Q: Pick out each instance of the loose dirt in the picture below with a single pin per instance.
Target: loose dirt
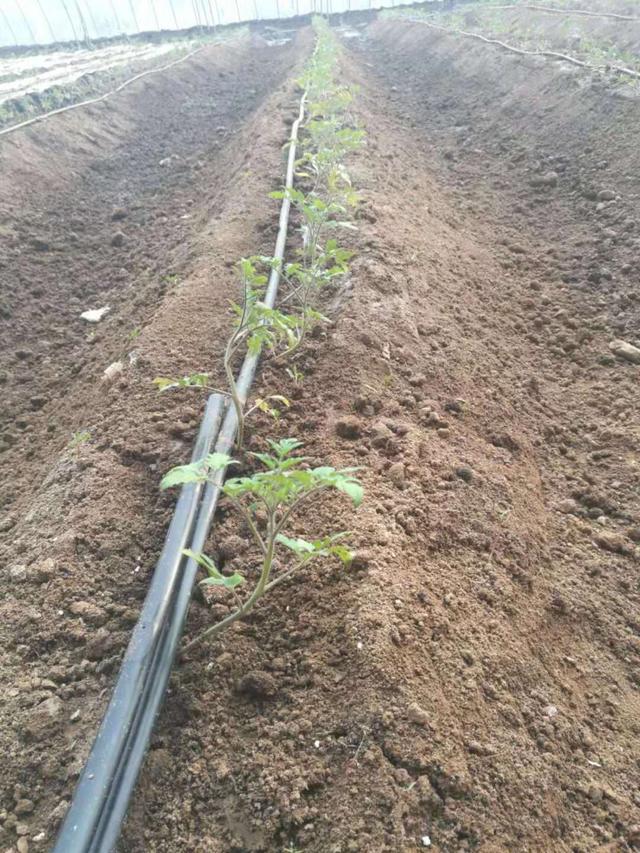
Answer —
(142, 204)
(472, 681)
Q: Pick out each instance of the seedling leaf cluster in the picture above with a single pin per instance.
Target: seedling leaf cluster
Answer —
(280, 481)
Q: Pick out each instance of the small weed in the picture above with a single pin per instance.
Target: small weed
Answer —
(170, 278)
(79, 438)
(294, 373)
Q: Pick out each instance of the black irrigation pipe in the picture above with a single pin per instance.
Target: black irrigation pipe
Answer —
(82, 829)
(551, 54)
(105, 787)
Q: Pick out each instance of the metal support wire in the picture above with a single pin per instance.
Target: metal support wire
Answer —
(26, 21)
(70, 19)
(205, 13)
(173, 12)
(155, 13)
(117, 19)
(9, 27)
(83, 22)
(135, 17)
(213, 19)
(44, 15)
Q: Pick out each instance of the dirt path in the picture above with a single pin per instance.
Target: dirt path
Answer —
(472, 681)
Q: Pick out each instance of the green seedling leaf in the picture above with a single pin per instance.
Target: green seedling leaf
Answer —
(294, 373)
(280, 399)
(204, 561)
(216, 461)
(79, 438)
(195, 380)
(344, 554)
(163, 383)
(284, 446)
(352, 488)
(329, 546)
(227, 581)
(214, 577)
(298, 546)
(342, 480)
(263, 406)
(268, 461)
(196, 472)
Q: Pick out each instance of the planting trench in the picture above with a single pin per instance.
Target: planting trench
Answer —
(142, 204)
(473, 678)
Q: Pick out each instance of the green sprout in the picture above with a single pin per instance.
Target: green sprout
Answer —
(257, 327)
(79, 438)
(295, 374)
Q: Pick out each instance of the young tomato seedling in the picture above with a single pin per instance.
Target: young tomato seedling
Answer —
(201, 381)
(278, 491)
(257, 327)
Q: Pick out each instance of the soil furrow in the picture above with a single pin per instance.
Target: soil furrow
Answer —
(181, 168)
(471, 682)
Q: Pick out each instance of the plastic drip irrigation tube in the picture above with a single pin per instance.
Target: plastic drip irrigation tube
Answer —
(82, 829)
(521, 51)
(103, 97)
(106, 784)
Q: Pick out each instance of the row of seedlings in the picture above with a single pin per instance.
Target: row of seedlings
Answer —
(268, 499)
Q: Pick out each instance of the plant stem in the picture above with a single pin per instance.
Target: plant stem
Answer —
(255, 596)
(285, 517)
(250, 524)
(215, 629)
(286, 575)
(237, 402)
(230, 349)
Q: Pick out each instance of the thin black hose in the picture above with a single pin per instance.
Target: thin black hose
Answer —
(102, 796)
(112, 743)
(103, 97)
(552, 54)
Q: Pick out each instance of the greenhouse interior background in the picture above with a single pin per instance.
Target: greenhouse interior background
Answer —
(29, 22)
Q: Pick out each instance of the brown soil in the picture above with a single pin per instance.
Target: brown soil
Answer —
(181, 165)
(474, 677)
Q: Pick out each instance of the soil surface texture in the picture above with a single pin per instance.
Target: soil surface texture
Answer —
(471, 682)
